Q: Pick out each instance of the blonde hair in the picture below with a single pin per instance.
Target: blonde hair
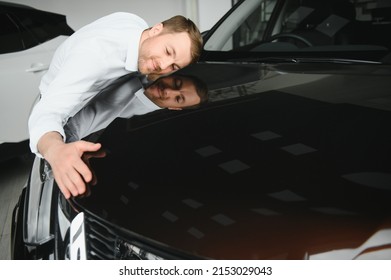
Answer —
(178, 24)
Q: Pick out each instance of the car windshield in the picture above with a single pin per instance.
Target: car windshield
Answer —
(357, 29)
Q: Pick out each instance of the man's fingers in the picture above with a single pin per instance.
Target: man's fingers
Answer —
(84, 146)
(83, 170)
(70, 182)
(70, 171)
(64, 191)
(66, 187)
(77, 181)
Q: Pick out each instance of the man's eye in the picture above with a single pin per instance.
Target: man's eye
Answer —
(179, 99)
(178, 83)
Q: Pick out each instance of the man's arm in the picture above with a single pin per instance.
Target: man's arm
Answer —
(69, 170)
(65, 92)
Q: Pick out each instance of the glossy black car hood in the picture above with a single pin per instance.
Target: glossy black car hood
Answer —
(284, 162)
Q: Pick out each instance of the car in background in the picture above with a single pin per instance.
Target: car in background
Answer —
(289, 159)
(29, 38)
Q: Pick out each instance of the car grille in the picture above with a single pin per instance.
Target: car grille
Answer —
(101, 240)
(104, 242)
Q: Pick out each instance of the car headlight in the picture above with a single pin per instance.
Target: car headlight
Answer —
(127, 251)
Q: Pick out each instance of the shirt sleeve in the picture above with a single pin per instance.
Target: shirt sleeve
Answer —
(74, 84)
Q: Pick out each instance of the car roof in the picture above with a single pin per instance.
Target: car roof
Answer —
(5, 6)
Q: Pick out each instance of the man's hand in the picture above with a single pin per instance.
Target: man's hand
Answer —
(69, 170)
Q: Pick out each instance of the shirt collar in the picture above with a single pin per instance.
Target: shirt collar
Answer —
(145, 100)
(131, 63)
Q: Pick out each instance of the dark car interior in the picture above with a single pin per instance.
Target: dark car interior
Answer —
(338, 23)
(310, 27)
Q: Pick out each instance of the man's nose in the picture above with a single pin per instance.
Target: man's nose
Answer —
(170, 93)
(166, 63)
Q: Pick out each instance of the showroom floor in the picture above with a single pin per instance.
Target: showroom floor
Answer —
(13, 175)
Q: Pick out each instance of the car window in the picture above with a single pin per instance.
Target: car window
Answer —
(306, 26)
(23, 28)
(246, 25)
(43, 26)
(11, 40)
(328, 23)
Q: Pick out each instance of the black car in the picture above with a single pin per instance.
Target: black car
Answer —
(289, 159)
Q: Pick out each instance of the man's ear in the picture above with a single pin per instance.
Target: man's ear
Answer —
(156, 29)
(174, 108)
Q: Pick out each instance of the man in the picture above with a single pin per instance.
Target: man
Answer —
(110, 47)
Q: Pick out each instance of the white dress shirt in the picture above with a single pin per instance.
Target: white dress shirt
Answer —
(81, 67)
(124, 98)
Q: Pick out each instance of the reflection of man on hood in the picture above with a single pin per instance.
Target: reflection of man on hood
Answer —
(126, 97)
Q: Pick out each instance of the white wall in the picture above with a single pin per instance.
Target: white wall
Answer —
(209, 12)
(82, 12)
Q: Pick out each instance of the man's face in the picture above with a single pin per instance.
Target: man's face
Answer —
(162, 53)
(173, 92)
